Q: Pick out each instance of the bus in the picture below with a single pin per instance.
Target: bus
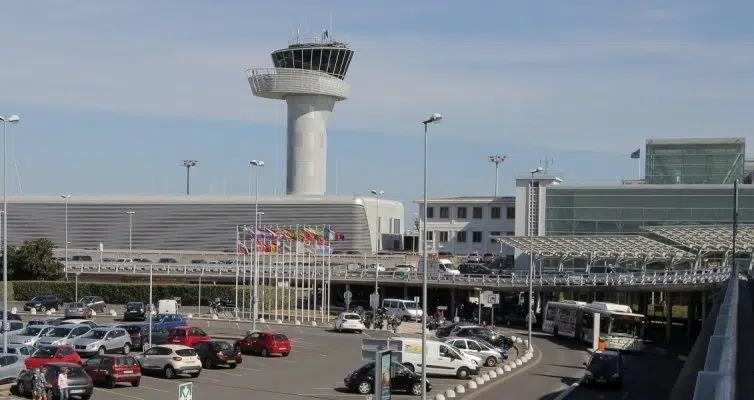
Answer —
(620, 328)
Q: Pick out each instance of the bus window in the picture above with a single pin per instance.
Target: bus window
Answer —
(551, 312)
(605, 324)
(626, 325)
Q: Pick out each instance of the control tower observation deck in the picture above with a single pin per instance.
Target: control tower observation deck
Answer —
(309, 77)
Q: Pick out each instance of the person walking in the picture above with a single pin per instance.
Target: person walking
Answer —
(63, 383)
(39, 385)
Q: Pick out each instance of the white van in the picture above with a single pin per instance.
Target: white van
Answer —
(442, 267)
(406, 310)
(167, 307)
(442, 359)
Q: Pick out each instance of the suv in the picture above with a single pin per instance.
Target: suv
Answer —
(112, 369)
(135, 310)
(214, 353)
(167, 260)
(103, 340)
(44, 303)
(187, 335)
(171, 359)
(168, 321)
(95, 303)
(140, 335)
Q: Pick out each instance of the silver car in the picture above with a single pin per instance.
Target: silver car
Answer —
(103, 340)
(63, 335)
(30, 335)
(11, 366)
(21, 350)
(44, 321)
(15, 328)
(78, 310)
(476, 348)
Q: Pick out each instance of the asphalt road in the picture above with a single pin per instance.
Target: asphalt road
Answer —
(319, 361)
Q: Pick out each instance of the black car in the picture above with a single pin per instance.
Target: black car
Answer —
(214, 353)
(44, 303)
(485, 334)
(444, 331)
(475, 269)
(79, 383)
(140, 335)
(11, 316)
(135, 311)
(605, 368)
(401, 380)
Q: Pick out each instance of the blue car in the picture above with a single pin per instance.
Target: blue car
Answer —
(167, 321)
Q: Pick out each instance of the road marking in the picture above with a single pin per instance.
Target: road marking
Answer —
(366, 334)
(210, 379)
(155, 389)
(227, 373)
(119, 394)
(299, 329)
(250, 369)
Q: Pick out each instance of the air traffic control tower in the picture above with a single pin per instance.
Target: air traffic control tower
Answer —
(308, 75)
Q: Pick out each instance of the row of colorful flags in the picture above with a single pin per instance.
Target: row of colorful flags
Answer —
(315, 239)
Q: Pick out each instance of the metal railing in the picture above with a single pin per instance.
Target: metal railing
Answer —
(506, 280)
(718, 379)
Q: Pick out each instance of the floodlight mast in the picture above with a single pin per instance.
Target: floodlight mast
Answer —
(188, 164)
(13, 119)
(497, 160)
(530, 314)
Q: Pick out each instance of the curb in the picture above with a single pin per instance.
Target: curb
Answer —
(527, 362)
(563, 395)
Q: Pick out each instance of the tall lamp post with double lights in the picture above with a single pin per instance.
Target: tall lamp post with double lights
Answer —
(188, 164)
(130, 233)
(497, 160)
(377, 194)
(530, 315)
(13, 119)
(434, 119)
(66, 197)
(257, 165)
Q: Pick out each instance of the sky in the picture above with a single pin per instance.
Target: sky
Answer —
(114, 94)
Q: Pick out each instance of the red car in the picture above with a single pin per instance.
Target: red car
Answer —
(50, 354)
(264, 343)
(187, 335)
(113, 369)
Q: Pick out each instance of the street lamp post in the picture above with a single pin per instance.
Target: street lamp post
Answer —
(434, 119)
(377, 194)
(530, 315)
(257, 165)
(13, 119)
(66, 197)
(497, 160)
(188, 164)
(130, 233)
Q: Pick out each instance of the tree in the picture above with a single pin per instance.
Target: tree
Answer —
(33, 260)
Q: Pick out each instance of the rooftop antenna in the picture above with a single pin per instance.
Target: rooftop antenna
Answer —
(547, 161)
(329, 28)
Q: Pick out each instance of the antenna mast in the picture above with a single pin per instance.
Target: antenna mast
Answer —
(547, 161)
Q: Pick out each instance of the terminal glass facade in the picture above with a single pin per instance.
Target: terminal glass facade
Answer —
(624, 209)
(694, 162)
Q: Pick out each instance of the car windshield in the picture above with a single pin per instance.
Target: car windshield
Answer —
(38, 298)
(31, 331)
(44, 352)
(87, 300)
(352, 316)
(95, 334)
(627, 325)
(58, 332)
(485, 345)
(134, 305)
(603, 363)
(76, 305)
(223, 346)
(133, 329)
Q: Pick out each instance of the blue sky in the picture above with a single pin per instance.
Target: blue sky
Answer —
(114, 94)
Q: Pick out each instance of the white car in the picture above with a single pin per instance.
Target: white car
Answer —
(476, 348)
(378, 267)
(63, 335)
(172, 360)
(30, 335)
(349, 322)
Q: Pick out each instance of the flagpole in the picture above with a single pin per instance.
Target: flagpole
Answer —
(295, 309)
(316, 245)
(329, 272)
(287, 271)
(276, 271)
(235, 304)
(261, 275)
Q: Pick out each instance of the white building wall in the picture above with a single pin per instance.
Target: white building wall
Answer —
(391, 224)
(523, 184)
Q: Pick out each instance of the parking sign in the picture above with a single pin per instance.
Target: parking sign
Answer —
(493, 299)
(186, 391)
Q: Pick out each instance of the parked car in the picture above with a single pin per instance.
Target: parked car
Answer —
(11, 316)
(264, 343)
(444, 331)
(167, 260)
(348, 321)
(63, 335)
(14, 328)
(475, 269)
(44, 321)
(135, 311)
(11, 366)
(171, 360)
(140, 335)
(30, 335)
(76, 321)
(214, 353)
(79, 383)
(478, 348)
(109, 370)
(95, 303)
(103, 340)
(168, 321)
(401, 380)
(484, 333)
(21, 350)
(44, 303)
(605, 368)
(187, 335)
(78, 310)
(51, 354)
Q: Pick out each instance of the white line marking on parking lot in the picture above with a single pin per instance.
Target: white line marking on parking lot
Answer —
(155, 389)
(366, 334)
(228, 373)
(299, 329)
(210, 379)
(119, 394)
(250, 369)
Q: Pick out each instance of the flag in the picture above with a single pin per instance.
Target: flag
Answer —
(636, 155)
(329, 234)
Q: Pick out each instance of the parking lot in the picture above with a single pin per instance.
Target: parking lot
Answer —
(316, 367)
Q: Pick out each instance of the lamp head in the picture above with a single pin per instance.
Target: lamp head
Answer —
(436, 118)
(189, 163)
(13, 119)
(257, 163)
(65, 196)
(537, 170)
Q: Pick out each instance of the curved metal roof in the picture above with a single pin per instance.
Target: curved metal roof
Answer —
(709, 238)
(613, 246)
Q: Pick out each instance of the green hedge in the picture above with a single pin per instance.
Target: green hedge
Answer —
(118, 293)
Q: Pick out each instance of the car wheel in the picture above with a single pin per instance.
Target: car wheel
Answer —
(491, 361)
(555, 331)
(238, 350)
(205, 363)
(406, 318)
(286, 354)
(101, 350)
(364, 387)
(169, 372)
(410, 367)
(416, 389)
(50, 394)
(136, 383)
(463, 373)
(126, 349)
(265, 353)
(21, 388)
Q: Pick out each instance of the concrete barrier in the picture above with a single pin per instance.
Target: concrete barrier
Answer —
(479, 380)
(492, 374)
(262, 320)
(14, 310)
(486, 377)
(298, 322)
(440, 397)
(113, 313)
(471, 384)
(519, 362)
(314, 323)
(450, 393)
(33, 311)
(499, 370)
(279, 321)
(460, 389)
(507, 368)
(214, 316)
(49, 312)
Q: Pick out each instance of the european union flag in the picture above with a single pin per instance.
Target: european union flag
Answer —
(636, 155)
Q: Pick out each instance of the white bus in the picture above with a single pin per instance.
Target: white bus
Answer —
(619, 326)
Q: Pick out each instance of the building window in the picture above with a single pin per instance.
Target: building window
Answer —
(476, 237)
(461, 213)
(444, 212)
(477, 212)
(443, 236)
(430, 212)
(495, 213)
(510, 212)
(429, 235)
(461, 236)
(397, 225)
(493, 234)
